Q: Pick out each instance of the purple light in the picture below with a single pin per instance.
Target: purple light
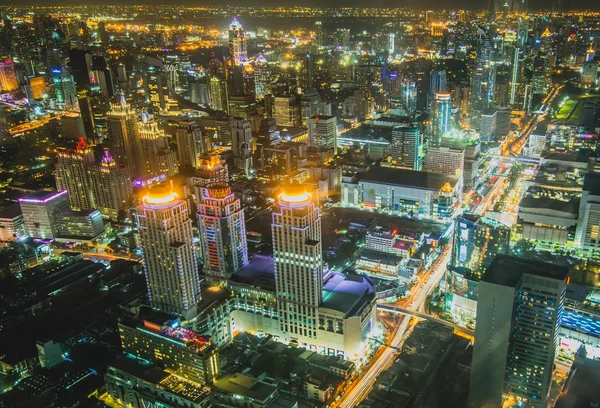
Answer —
(35, 200)
(138, 183)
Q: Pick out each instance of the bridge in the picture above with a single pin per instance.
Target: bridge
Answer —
(424, 316)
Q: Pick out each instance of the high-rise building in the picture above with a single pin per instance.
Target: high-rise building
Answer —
(437, 84)
(286, 111)
(445, 160)
(210, 171)
(158, 337)
(298, 263)
(587, 235)
(191, 143)
(519, 314)
(261, 77)
(237, 43)
(408, 95)
(156, 158)
(222, 231)
(64, 88)
(322, 133)
(165, 231)
(121, 126)
(406, 148)
(72, 175)
(219, 98)
(477, 241)
(241, 140)
(483, 78)
(111, 186)
(319, 34)
(8, 76)
(442, 112)
(40, 211)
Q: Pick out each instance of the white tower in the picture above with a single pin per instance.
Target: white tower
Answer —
(298, 263)
(222, 231)
(165, 231)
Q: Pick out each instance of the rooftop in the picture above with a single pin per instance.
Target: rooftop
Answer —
(507, 270)
(346, 293)
(591, 183)
(408, 178)
(571, 207)
(43, 196)
(244, 385)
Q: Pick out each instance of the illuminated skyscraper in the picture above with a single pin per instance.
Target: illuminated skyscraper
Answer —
(519, 314)
(408, 95)
(261, 77)
(8, 77)
(64, 88)
(121, 126)
(219, 98)
(111, 185)
(477, 241)
(483, 78)
(322, 133)
(406, 148)
(222, 231)
(211, 170)
(241, 139)
(40, 211)
(441, 116)
(157, 158)
(165, 231)
(191, 143)
(237, 43)
(298, 263)
(72, 175)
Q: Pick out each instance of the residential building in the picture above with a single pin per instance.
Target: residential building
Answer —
(191, 143)
(123, 140)
(111, 187)
(165, 232)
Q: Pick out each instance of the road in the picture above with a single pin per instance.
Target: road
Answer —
(100, 256)
(361, 387)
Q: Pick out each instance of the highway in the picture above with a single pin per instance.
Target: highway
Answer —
(385, 356)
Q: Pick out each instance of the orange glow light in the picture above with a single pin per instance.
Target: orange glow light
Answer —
(295, 198)
(163, 199)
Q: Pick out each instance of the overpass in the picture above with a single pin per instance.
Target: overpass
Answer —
(408, 312)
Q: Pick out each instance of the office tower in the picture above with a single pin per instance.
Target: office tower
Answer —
(518, 318)
(219, 97)
(445, 160)
(111, 186)
(237, 43)
(287, 111)
(87, 116)
(322, 133)
(241, 140)
(157, 158)
(437, 84)
(80, 225)
(8, 76)
(158, 90)
(72, 175)
(319, 34)
(483, 78)
(72, 127)
(159, 338)
(222, 231)
(191, 143)
(391, 48)
(442, 110)
(121, 129)
(261, 77)
(587, 235)
(40, 210)
(64, 88)
(165, 232)
(406, 148)
(408, 95)
(477, 241)
(80, 62)
(298, 263)
(515, 75)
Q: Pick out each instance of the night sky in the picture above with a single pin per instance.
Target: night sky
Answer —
(430, 4)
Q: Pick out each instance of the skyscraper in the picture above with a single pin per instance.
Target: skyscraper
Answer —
(237, 43)
(437, 84)
(519, 312)
(191, 143)
(477, 241)
(442, 107)
(222, 231)
(408, 95)
(241, 139)
(483, 78)
(219, 98)
(322, 133)
(298, 263)
(111, 185)
(261, 77)
(165, 231)
(72, 175)
(8, 76)
(121, 126)
(406, 148)
(156, 158)
(211, 170)
(64, 88)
